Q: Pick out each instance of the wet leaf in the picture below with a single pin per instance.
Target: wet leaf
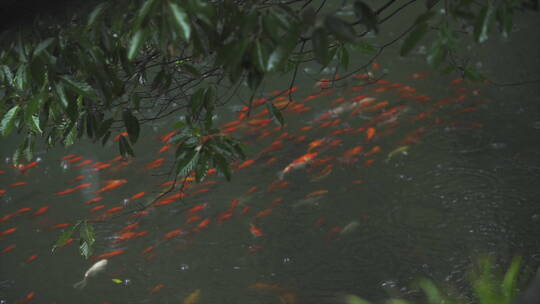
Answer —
(509, 283)
(181, 20)
(85, 249)
(413, 38)
(187, 164)
(135, 44)
(483, 20)
(87, 233)
(117, 281)
(43, 45)
(9, 119)
(144, 11)
(472, 74)
(352, 299)
(79, 86)
(363, 47)
(282, 52)
(132, 125)
(66, 235)
(319, 40)
(96, 12)
(340, 29)
(276, 113)
(366, 15)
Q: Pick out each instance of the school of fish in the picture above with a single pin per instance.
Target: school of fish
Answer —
(362, 126)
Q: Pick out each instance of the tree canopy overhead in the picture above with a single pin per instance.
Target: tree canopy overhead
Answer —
(121, 64)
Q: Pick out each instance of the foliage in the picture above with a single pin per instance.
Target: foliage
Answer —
(125, 63)
(489, 287)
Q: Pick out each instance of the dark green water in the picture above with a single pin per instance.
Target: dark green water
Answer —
(468, 186)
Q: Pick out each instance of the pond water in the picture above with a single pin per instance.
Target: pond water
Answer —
(417, 178)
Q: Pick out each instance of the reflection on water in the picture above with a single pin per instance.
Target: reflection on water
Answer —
(411, 183)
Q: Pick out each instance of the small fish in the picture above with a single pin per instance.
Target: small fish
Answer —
(109, 254)
(95, 269)
(196, 208)
(18, 184)
(24, 168)
(317, 193)
(370, 132)
(224, 216)
(60, 226)
(8, 249)
(27, 298)
(40, 211)
(193, 297)
(157, 288)
(111, 184)
(263, 213)
(256, 232)
(96, 208)
(94, 200)
(31, 258)
(350, 227)
(192, 219)
(173, 233)
(203, 224)
(154, 164)
(298, 163)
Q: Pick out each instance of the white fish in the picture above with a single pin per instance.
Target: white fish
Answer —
(98, 267)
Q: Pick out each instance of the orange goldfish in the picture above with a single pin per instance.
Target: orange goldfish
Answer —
(111, 184)
(256, 232)
(109, 254)
(298, 163)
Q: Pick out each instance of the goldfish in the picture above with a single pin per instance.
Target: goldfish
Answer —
(173, 233)
(154, 164)
(263, 213)
(8, 249)
(148, 249)
(368, 162)
(298, 163)
(256, 232)
(373, 150)
(163, 202)
(68, 156)
(60, 226)
(192, 219)
(22, 210)
(94, 200)
(83, 163)
(31, 258)
(418, 75)
(111, 184)
(196, 208)
(74, 160)
(76, 179)
(27, 298)
(8, 231)
(2, 192)
(114, 209)
(96, 208)
(117, 137)
(315, 144)
(204, 223)
(246, 163)
(130, 227)
(224, 216)
(317, 193)
(370, 132)
(40, 211)
(24, 168)
(18, 184)
(193, 297)
(164, 149)
(94, 270)
(109, 254)
(101, 167)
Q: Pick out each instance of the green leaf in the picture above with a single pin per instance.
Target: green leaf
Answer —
(340, 29)
(85, 249)
(509, 283)
(282, 52)
(436, 55)
(319, 40)
(9, 119)
(261, 54)
(132, 125)
(223, 166)
(21, 78)
(366, 15)
(125, 147)
(87, 233)
(352, 299)
(431, 291)
(33, 123)
(65, 236)
(472, 74)
(136, 43)
(43, 45)
(117, 281)
(96, 12)
(413, 38)
(276, 113)
(144, 11)
(181, 20)
(483, 20)
(79, 86)
(363, 47)
(70, 137)
(344, 57)
(187, 163)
